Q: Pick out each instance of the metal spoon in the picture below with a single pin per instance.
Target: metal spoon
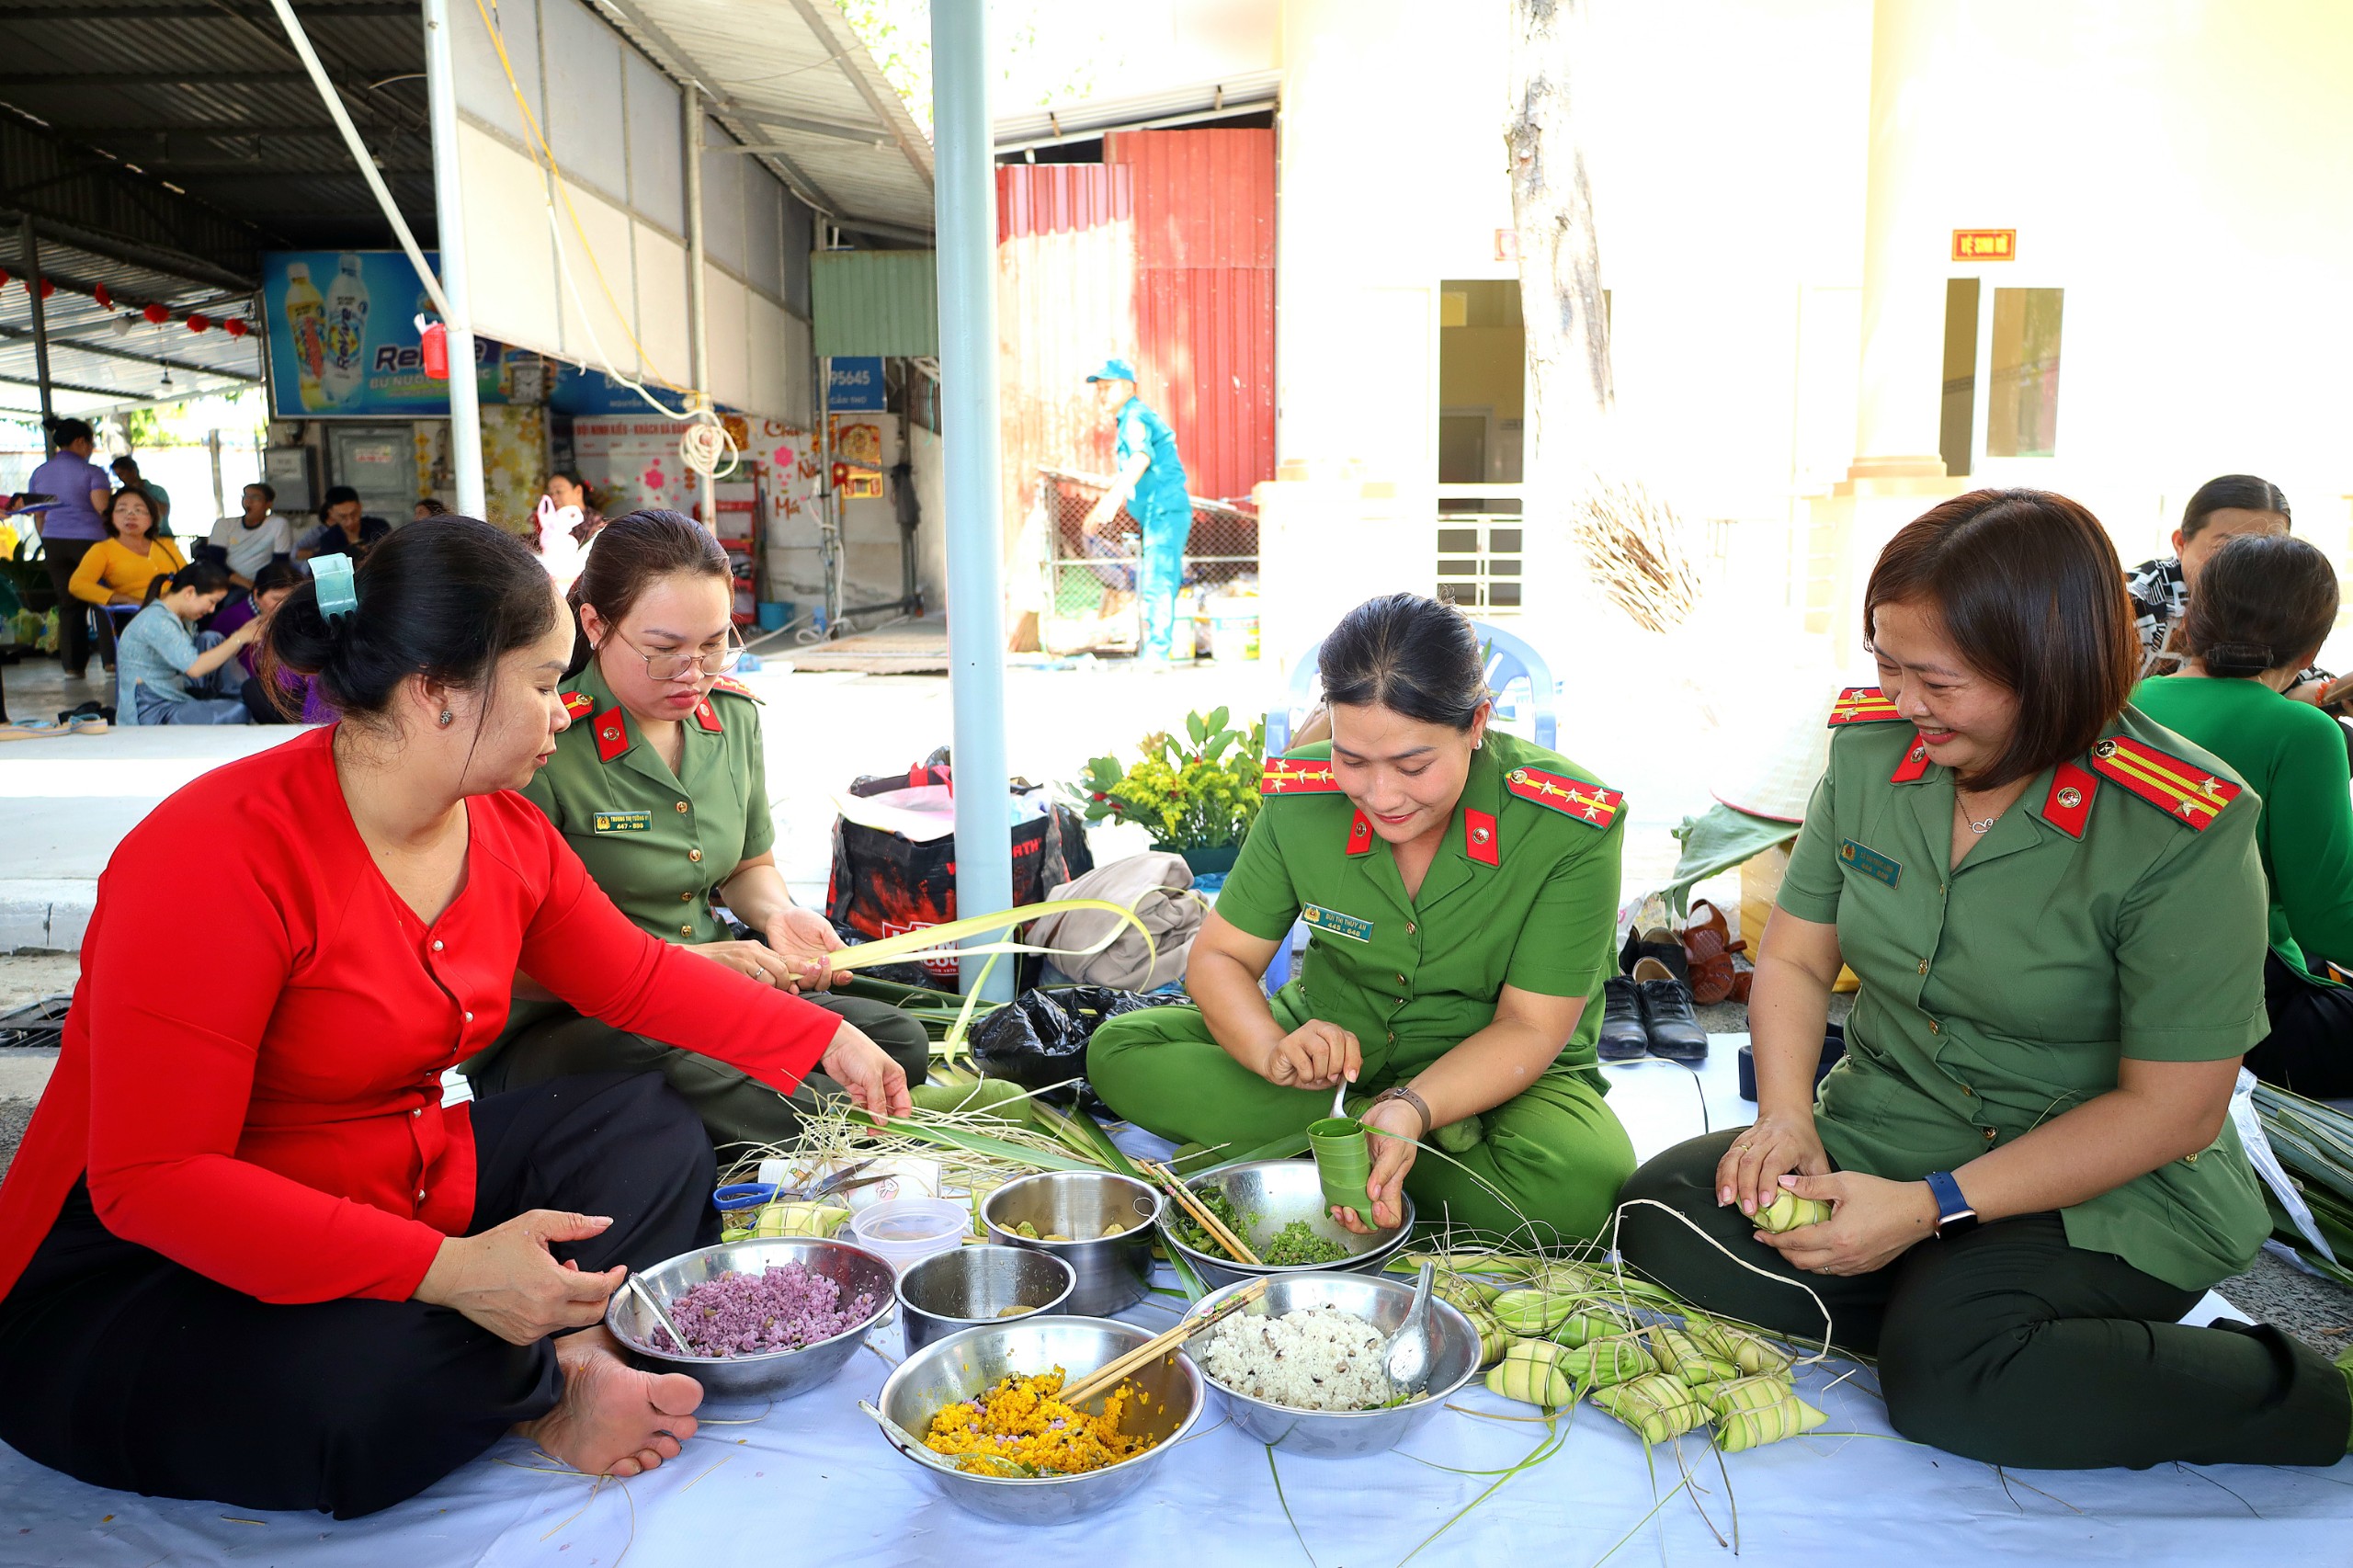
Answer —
(1407, 1356)
(647, 1297)
(1340, 1097)
(907, 1444)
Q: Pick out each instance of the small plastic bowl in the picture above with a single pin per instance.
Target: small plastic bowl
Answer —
(908, 1230)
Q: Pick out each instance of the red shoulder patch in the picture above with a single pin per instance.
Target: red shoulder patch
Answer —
(612, 733)
(1361, 834)
(2187, 793)
(1588, 804)
(734, 688)
(577, 705)
(2068, 807)
(1914, 766)
(1863, 705)
(1479, 838)
(1283, 776)
(707, 715)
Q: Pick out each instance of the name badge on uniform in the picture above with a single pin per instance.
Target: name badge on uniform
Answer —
(624, 822)
(1869, 862)
(1337, 924)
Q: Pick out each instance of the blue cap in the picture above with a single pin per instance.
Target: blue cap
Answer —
(1114, 371)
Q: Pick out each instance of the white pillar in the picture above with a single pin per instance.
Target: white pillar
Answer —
(448, 207)
(964, 195)
(1897, 407)
(698, 309)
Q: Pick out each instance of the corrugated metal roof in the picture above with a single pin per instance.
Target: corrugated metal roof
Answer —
(1234, 94)
(105, 355)
(876, 301)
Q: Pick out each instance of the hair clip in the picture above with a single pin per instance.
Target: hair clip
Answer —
(338, 596)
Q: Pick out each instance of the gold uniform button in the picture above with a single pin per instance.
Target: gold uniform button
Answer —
(1924, 966)
(682, 808)
(694, 854)
(685, 930)
(1401, 979)
(685, 898)
(1409, 928)
(1989, 1135)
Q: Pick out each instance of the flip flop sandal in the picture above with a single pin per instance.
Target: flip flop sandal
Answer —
(89, 724)
(1708, 947)
(31, 730)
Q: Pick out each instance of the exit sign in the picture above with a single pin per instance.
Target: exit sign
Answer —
(1984, 245)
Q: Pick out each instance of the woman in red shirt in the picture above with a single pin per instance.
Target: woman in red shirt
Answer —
(245, 1252)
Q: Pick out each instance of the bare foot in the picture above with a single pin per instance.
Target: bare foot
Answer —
(613, 1419)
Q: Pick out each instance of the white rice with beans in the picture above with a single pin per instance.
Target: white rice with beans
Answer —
(1313, 1359)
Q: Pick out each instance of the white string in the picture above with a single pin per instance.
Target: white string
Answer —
(1618, 1216)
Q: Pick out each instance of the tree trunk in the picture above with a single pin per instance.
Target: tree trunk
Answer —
(1560, 262)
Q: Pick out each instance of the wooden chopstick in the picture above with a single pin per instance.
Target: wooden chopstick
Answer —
(1107, 1377)
(1225, 1238)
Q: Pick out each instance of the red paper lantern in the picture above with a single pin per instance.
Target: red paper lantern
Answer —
(104, 296)
(198, 322)
(157, 315)
(47, 288)
(235, 326)
(4, 278)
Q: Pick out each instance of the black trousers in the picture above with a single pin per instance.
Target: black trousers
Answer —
(2310, 1048)
(2007, 1344)
(125, 1369)
(62, 556)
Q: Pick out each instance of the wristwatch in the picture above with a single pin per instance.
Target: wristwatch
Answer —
(1954, 1216)
(1401, 1092)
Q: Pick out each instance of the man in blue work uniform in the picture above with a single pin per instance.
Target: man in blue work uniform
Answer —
(1150, 485)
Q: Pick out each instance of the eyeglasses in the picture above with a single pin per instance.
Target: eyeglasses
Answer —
(674, 666)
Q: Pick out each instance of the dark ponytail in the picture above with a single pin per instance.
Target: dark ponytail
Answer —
(445, 598)
(631, 554)
(1409, 654)
(2262, 600)
(204, 577)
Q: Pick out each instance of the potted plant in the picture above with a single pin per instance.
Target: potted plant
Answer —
(1196, 796)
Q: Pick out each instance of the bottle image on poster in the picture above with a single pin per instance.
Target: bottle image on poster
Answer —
(346, 367)
(306, 318)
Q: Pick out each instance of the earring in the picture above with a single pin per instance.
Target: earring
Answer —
(445, 718)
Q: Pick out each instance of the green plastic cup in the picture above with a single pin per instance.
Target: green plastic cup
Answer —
(1344, 1162)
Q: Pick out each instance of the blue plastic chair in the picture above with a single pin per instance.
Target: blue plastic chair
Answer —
(1511, 663)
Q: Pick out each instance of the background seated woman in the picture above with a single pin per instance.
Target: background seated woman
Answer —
(2263, 607)
(119, 567)
(2056, 911)
(167, 672)
(662, 789)
(1463, 886)
(246, 1251)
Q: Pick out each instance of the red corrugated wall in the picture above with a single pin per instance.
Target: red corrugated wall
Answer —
(1205, 296)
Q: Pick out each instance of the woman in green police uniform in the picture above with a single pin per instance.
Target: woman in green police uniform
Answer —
(661, 785)
(1462, 888)
(2058, 915)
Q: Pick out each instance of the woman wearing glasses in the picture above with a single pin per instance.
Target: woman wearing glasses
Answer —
(661, 785)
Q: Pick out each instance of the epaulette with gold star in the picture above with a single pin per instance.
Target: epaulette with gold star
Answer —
(734, 688)
(577, 705)
(1288, 775)
(1574, 798)
(2183, 791)
(1863, 705)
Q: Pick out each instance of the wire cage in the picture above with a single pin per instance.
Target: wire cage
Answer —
(1220, 557)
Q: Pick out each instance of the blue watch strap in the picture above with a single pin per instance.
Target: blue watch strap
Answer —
(1952, 1209)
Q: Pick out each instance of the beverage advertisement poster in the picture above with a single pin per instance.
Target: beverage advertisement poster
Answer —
(343, 340)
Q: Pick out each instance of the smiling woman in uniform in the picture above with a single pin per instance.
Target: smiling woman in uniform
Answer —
(1461, 887)
(662, 789)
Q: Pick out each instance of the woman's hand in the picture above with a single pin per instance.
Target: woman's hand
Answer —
(507, 1281)
(1872, 1220)
(1392, 1156)
(1751, 1170)
(804, 936)
(1316, 1055)
(246, 634)
(762, 963)
(877, 1084)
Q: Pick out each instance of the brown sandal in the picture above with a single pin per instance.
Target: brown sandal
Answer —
(1708, 945)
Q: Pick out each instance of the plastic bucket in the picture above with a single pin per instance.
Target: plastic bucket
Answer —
(773, 614)
(1233, 628)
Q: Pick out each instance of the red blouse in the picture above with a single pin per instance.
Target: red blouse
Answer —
(272, 1119)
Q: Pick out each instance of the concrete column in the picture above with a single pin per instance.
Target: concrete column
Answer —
(697, 308)
(449, 210)
(28, 252)
(964, 195)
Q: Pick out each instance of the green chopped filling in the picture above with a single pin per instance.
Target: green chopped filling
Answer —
(1294, 1244)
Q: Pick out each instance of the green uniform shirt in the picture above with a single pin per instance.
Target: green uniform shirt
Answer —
(2293, 755)
(658, 841)
(1523, 892)
(2093, 922)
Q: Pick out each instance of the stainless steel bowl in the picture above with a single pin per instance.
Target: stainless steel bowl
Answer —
(1271, 1194)
(777, 1374)
(976, 1285)
(970, 1362)
(1113, 1271)
(1344, 1433)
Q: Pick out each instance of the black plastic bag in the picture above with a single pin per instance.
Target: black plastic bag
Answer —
(1039, 1038)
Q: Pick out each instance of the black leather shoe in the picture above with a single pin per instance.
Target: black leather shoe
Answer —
(1675, 1031)
(1623, 1036)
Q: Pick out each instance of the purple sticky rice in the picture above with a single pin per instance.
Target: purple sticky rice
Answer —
(783, 1308)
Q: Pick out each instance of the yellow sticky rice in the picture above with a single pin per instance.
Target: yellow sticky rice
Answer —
(1021, 1420)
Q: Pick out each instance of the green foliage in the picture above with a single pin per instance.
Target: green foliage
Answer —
(1197, 792)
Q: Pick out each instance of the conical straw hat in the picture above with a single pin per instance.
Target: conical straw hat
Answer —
(1770, 769)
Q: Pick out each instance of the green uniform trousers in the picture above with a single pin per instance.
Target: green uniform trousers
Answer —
(2005, 1343)
(1554, 1152)
(735, 1108)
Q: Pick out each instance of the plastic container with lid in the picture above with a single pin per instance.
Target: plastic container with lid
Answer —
(908, 1230)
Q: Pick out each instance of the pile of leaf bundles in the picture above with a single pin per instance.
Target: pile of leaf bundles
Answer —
(1657, 1406)
(1680, 1354)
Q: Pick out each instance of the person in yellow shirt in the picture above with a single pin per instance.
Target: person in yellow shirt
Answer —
(119, 567)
